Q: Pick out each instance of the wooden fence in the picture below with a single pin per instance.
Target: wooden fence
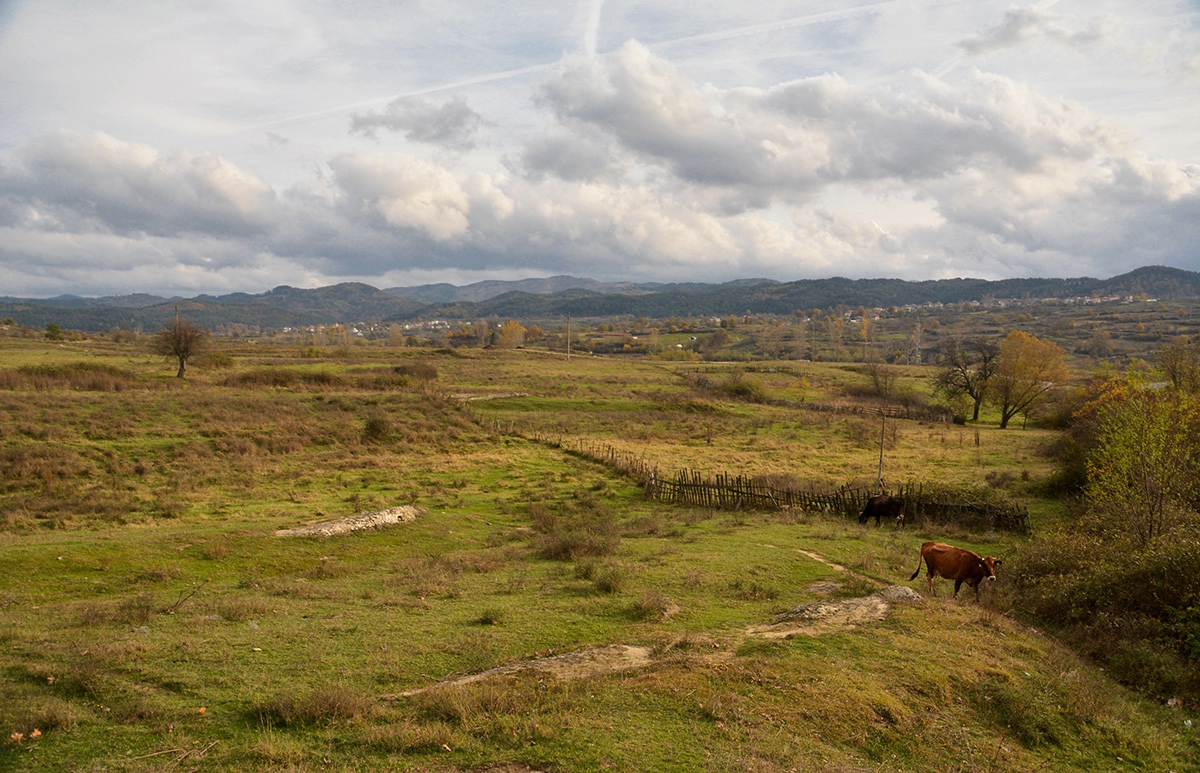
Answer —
(923, 503)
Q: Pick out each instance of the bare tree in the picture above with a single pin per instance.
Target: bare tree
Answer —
(181, 340)
(967, 367)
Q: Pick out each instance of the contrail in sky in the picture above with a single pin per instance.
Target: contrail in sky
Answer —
(781, 24)
(592, 31)
(590, 37)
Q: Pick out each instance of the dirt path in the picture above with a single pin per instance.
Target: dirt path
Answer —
(812, 619)
(580, 664)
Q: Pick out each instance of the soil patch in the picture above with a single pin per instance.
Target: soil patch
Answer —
(360, 522)
(821, 617)
(811, 619)
(571, 665)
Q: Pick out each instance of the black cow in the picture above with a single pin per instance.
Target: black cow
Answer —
(881, 506)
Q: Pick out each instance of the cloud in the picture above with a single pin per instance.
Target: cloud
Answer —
(1022, 25)
(580, 156)
(791, 141)
(636, 172)
(403, 192)
(453, 124)
(93, 182)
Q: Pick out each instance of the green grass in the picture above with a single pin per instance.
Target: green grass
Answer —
(142, 582)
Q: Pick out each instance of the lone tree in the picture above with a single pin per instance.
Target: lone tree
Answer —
(180, 339)
(1180, 360)
(967, 367)
(1027, 369)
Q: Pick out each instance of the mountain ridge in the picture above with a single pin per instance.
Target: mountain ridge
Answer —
(557, 297)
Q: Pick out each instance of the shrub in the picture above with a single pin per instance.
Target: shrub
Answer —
(377, 429)
(561, 545)
(542, 518)
(489, 616)
(610, 579)
(136, 609)
(418, 370)
(739, 387)
(653, 606)
(321, 707)
(1132, 609)
(84, 376)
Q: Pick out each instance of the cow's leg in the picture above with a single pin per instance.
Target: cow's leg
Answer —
(957, 585)
(932, 591)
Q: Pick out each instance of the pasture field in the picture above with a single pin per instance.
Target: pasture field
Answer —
(151, 620)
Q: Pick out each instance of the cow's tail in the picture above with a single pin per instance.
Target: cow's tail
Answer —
(920, 558)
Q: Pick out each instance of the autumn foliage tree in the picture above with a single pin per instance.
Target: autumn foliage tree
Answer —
(1142, 470)
(510, 335)
(181, 340)
(1026, 370)
(1180, 360)
(1119, 575)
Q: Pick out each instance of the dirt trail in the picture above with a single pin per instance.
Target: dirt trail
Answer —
(580, 664)
(812, 619)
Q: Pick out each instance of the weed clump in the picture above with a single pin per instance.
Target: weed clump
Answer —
(610, 579)
(377, 429)
(654, 606)
(561, 545)
(489, 616)
(320, 707)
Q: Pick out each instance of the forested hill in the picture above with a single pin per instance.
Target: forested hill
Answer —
(556, 297)
(764, 297)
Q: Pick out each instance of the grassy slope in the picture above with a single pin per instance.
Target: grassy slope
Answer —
(288, 645)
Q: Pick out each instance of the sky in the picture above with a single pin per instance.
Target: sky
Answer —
(180, 148)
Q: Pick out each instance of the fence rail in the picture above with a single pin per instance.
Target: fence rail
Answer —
(923, 503)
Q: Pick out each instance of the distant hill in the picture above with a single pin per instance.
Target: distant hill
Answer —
(482, 291)
(556, 297)
(135, 301)
(764, 297)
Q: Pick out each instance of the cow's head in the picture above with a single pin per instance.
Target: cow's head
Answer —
(989, 565)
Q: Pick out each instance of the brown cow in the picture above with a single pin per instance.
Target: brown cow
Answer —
(951, 563)
(883, 505)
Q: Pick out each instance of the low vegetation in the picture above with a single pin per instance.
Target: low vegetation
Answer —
(150, 619)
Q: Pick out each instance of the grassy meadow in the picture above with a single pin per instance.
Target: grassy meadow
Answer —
(151, 620)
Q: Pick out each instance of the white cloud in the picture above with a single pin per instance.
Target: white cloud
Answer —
(728, 141)
(1026, 25)
(85, 182)
(794, 139)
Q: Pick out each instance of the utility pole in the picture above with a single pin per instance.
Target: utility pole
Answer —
(882, 436)
(568, 336)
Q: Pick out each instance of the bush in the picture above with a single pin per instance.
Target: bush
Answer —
(739, 387)
(561, 545)
(323, 706)
(419, 370)
(609, 579)
(84, 376)
(377, 429)
(1137, 611)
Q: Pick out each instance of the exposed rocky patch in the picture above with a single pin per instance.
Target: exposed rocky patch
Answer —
(360, 522)
(582, 664)
(825, 616)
